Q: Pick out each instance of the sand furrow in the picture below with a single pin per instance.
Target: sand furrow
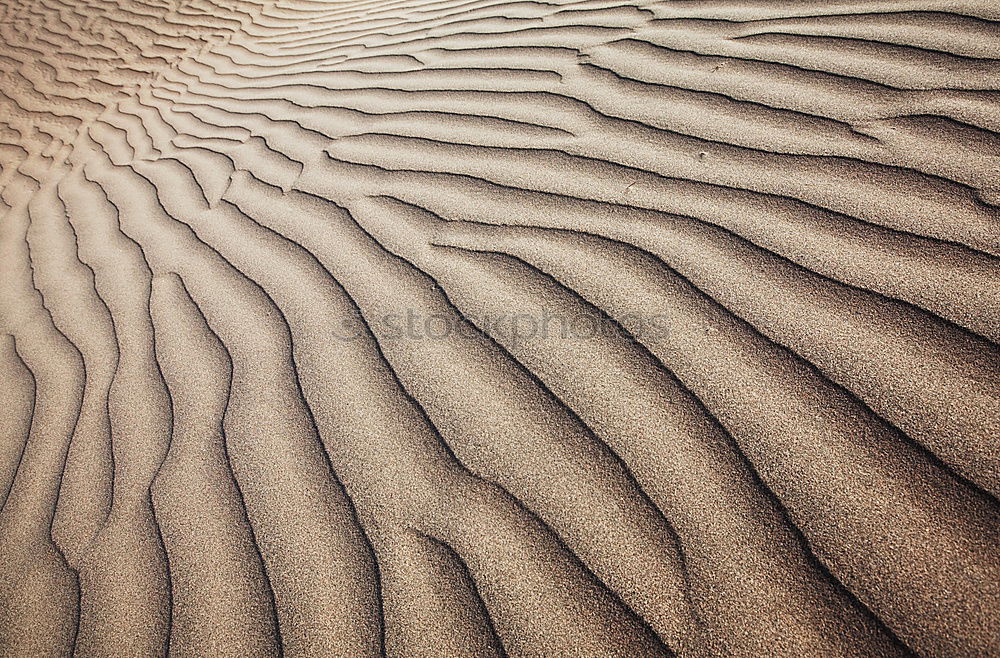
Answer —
(39, 591)
(18, 404)
(216, 568)
(688, 253)
(586, 378)
(498, 452)
(812, 424)
(396, 442)
(274, 449)
(125, 565)
(896, 265)
(85, 493)
(426, 576)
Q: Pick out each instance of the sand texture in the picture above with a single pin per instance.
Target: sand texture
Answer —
(555, 328)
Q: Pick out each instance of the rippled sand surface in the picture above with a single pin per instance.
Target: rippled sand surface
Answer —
(583, 328)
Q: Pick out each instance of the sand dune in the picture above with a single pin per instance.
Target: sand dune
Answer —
(499, 327)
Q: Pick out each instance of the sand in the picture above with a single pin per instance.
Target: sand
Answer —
(553, 328)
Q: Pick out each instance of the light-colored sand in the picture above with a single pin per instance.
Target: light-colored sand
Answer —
(273, 377)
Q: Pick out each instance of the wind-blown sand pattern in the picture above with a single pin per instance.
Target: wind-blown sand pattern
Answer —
(215, 439)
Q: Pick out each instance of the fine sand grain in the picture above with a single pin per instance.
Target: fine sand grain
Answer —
(557, 328)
